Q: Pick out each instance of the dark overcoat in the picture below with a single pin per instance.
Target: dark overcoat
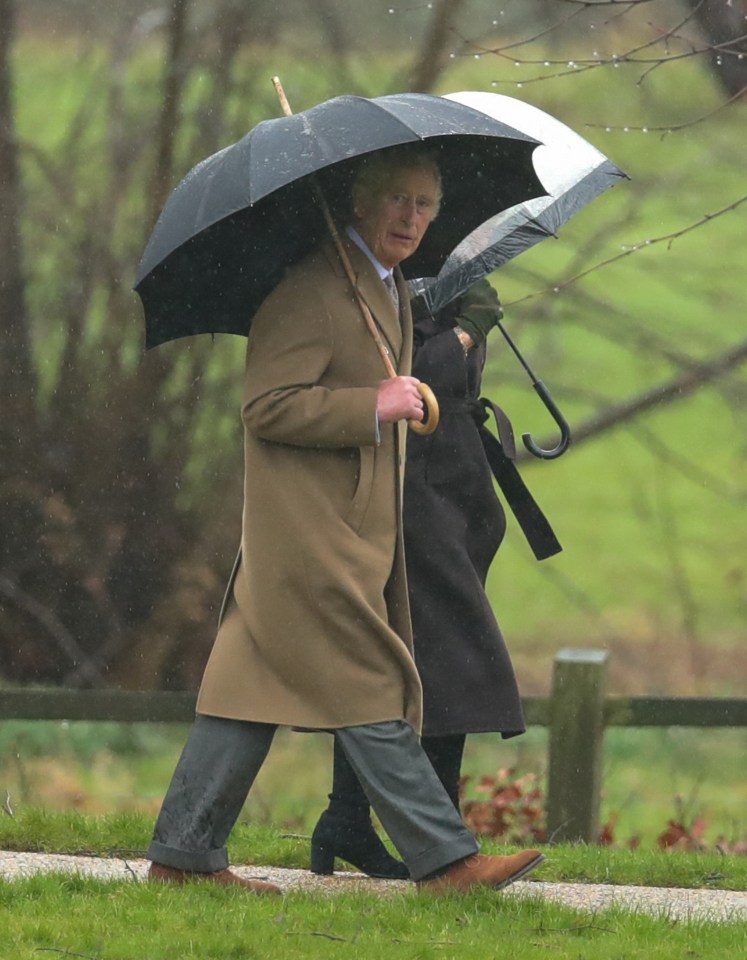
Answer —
(454, 524)
(316, 630)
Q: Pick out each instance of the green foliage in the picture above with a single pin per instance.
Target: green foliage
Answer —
(82, 740)
(127, 836)
(649, 777)
(131, 487)
(125, 920)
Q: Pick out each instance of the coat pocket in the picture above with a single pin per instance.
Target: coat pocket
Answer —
(356, 512)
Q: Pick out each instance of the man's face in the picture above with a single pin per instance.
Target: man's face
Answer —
(394, 221)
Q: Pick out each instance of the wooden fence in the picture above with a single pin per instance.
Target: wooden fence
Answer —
(577, 712)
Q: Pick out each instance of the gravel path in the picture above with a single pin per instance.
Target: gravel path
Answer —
(719, 906)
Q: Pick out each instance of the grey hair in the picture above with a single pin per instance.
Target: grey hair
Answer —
(376, 169)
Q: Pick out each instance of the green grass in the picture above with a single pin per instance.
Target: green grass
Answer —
(649, 776)
(128, 835)
(123, 921)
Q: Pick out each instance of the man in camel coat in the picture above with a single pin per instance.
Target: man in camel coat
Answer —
(315, 628)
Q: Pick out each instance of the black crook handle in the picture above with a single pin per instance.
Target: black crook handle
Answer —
(565, 430)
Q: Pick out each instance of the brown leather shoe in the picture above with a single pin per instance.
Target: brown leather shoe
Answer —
(481, 871)
(158, 873)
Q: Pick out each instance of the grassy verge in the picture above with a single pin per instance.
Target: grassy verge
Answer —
(127, 835)
(70, 916)
(650, 776)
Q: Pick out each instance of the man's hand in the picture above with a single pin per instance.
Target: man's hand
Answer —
(399, 399)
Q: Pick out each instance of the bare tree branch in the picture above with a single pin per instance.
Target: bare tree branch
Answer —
(52, 625)
(700, 373)
(674, 127)
(432, 57)
(669, 238)
(720, 24)
(173, 86)
(17, 380)
(706, 480)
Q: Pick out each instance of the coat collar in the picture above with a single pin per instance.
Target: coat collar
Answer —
(374, 293)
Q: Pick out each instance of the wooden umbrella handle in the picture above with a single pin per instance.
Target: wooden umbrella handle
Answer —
(423, 427)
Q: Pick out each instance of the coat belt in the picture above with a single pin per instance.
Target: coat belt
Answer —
(501, 453)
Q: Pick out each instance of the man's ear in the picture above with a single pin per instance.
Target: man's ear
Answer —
(359, 202)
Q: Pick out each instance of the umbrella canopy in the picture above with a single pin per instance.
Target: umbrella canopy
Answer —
(239, 218)
(573, 173)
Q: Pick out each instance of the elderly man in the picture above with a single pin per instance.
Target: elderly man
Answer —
(315, 628)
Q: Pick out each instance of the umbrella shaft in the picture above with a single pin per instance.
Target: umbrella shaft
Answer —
(518, 355)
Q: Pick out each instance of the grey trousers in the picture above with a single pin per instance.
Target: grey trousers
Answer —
(222, 758)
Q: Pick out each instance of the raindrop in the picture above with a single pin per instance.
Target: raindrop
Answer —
(519, 85)
(493, 83)
(626, 129)
(556, 289)
(644, 129)
(391, 10)
(452, 56)
(517, 63)
(477, 56)
(547, 63)
(572, 64)
(608, 129)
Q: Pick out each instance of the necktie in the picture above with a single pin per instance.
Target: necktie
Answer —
(392, 288)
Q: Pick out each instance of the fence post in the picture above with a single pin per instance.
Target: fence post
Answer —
(576, 735)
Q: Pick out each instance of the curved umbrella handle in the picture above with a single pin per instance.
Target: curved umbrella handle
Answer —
(424, 427)
(565, 430)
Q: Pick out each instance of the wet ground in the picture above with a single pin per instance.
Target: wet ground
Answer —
(718, 906)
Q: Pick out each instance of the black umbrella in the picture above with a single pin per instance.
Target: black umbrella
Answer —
(239, 218)
(573, 173)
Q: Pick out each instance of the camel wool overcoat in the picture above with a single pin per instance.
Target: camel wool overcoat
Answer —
(315, 630)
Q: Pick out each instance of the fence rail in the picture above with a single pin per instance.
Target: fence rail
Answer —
(577, 713)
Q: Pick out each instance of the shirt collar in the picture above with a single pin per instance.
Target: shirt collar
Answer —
(362, 245)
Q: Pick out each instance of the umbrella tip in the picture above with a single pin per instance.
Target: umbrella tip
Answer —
(281, 96)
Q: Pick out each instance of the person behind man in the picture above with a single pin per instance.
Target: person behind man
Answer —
(453, 525)
(315, 630)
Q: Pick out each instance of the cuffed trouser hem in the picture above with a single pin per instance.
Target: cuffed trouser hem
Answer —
(217, 767)
(199, 861)
(441, 856)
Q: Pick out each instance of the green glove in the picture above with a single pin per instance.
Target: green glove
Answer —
(479, 310)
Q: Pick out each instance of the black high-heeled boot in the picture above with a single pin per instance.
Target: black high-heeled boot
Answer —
(357, 843)
(345, 830)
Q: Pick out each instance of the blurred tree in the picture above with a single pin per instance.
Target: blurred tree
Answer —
(120, 485)
(173, 90)
(433, 55)
(16, 372)
(724, 24)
